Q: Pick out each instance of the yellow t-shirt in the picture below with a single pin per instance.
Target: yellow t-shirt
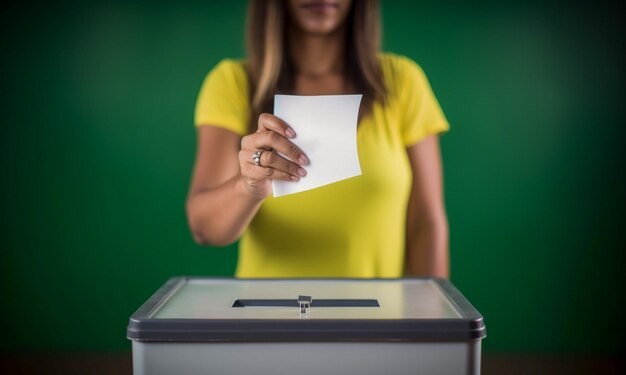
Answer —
(351, 228)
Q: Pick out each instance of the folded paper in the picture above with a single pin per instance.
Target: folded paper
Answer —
(326, 128)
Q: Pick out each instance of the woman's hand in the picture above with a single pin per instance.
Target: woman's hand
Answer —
(271, 138)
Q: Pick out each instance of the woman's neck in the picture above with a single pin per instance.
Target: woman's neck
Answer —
(316, 56)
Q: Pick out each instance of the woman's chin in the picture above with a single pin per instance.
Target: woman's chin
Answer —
(319, 27)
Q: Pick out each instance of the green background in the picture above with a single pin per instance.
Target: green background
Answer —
(98, 144)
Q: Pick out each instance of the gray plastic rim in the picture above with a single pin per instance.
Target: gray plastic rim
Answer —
(142, 327)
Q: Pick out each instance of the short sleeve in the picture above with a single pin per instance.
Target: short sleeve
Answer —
(420, 113)
(223, 98)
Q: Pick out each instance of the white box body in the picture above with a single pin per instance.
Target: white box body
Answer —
(384, 326)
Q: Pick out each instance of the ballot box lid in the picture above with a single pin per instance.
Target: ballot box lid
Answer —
(269, 310)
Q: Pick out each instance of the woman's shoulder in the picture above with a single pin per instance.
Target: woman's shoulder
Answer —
(403, 76)
(228, 75)
(395, 66)
(229, 67)
(223, 97)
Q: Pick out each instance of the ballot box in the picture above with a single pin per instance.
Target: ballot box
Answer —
(195, 325)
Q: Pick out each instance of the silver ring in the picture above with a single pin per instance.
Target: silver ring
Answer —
(256, 157)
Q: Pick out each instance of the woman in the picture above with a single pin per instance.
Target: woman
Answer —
(389, 221)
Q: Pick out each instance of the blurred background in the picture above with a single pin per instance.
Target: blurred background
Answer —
(98, 145)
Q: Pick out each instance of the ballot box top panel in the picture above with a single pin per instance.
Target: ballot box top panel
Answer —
(218, 309)
(397, 299)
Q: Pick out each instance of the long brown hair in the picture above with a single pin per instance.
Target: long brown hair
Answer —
(270, 70)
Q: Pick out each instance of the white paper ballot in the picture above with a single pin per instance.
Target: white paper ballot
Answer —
(325, 129)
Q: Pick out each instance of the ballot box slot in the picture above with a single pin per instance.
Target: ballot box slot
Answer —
(314, 303)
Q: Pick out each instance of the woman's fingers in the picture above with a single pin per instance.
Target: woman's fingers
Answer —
(269, 159)
(275, 124)
(269, 154)
(268, 140)
(271, 166)
(276, 153)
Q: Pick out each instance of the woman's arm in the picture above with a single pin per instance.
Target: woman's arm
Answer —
(427, 224)
(227, 188)
(218, 208)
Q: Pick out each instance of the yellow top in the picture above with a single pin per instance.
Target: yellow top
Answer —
(351, 228)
